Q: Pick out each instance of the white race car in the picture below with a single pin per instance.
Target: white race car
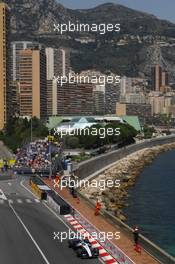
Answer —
(83, 248)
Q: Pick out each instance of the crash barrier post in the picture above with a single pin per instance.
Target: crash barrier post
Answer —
(53, 204)
(54, 200)
(152, 249)
(57, 203)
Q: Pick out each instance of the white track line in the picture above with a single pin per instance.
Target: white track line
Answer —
(54, 213)
(28, 201)
(19, 201)
(29, 234)
(10, 201)
(2, 195)
(21, 183)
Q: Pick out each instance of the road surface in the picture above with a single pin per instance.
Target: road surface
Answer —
(26, 230)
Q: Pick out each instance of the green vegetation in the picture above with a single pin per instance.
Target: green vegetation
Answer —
(165, 120)
(81, 157)
(93, 140)
(148, 132)
(18, 132)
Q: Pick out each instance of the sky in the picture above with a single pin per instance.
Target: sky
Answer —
(164, 9)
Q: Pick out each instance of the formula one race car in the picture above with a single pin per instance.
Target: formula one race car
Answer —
(83, 248)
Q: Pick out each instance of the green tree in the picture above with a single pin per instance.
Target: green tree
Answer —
(72, 142)
(18, 130)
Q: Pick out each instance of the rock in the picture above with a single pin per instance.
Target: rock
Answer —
(127, 170)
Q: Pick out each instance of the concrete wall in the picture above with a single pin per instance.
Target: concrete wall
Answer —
(93, 165)
(97, 164)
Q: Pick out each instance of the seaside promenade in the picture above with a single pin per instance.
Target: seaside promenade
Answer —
(99, 222)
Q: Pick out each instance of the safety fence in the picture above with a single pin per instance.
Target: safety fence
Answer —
(53, 204)
(44, 192)
(62, 207)
(156, 252)
(93, 167)
(115, 251)
(57, 203)
(152, 249)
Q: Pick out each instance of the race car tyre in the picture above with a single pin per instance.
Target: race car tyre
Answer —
(79, 252)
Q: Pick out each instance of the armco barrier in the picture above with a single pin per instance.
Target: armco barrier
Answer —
(115, 251)
(53, 204)
(92, 166)
(35, 184)
(57, 203)
(156, 252)
(53, 199)
(109, 246)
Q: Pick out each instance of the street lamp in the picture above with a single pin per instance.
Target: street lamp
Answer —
(31, 130)
(50, 157)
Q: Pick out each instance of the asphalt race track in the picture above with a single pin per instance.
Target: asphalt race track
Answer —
(26, 230)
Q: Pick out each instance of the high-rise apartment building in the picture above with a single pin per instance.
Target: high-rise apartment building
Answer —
(165, 78)
(33, 87)
(134, 98)
(62, 59)
(52, 86)
(112, 96)
(160, 79)
(99, 99)
(58, 64)
(98, 89)
(4, 65)
(16, 47)
(140, 110)
(156, 77)
(75, 99)
(14, 91)
(50, 62)
(161, 102)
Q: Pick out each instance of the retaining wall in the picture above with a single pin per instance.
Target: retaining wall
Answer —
(93, 165)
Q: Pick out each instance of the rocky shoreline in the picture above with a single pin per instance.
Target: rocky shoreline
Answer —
(126, 170)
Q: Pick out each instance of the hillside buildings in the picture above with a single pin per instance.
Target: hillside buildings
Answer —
(29, 85)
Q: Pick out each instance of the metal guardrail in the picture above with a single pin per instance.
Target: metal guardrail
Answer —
(53, 204)
(115, 251)
(100, 163)
(152, 249)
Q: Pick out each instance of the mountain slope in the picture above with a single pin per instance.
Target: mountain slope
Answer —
(127, 53)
